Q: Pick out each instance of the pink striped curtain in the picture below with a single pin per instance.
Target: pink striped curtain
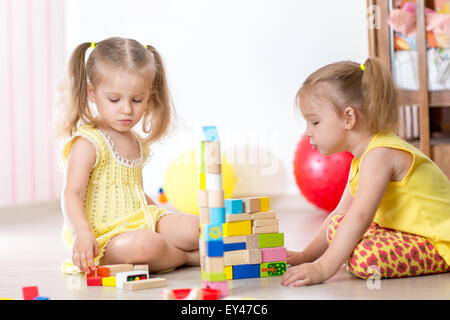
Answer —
(32, 57)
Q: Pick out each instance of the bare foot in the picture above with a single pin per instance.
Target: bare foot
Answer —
(192, 258)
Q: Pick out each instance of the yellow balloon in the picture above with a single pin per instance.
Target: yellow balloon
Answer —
(181, 181)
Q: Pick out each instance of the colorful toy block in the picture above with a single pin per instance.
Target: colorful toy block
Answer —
(202, 199)
(29, 293)
(271, 269)
(41, 298)
(213, 264)
(237, 257)
(264, 204)
(217, 216)
(265, 229)
(273, 254)
(238, 228)
(211, 133)
(233, 206)
(94, 281)
(246, 271)
(145, 284)
(140, 267)
(265, 222)
(212, 232)
(222, 286)
(192, 293)
(123, 277)
(211, 248)
(213, 181)
(234, 246)
(237, 217)
(204, 215)
(228, 270)
(263, 215)
(109, 281)
(216, 199)
(213, 276)
(270, 240)
(250, 204)
(116, 268)
(202, 180)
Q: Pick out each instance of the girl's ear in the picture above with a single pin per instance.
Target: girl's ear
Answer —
(90, 93)
(349, 117)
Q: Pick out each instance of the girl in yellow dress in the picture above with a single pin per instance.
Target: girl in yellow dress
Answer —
(393, 219)
(108, 217)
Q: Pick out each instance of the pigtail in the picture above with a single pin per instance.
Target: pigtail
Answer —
(379, 96)
(158, 115)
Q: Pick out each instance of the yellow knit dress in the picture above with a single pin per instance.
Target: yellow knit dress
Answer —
(115, 201)
(419, 203)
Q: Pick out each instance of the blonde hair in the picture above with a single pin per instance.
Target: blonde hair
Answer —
(119, 53)
(371, 92)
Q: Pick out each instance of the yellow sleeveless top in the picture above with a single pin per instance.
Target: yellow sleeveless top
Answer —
(115, 200)
(419, 203)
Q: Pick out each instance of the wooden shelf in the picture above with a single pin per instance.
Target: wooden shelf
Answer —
(436, 98)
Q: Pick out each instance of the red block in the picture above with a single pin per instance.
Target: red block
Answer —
(29, 293)
(94, 281)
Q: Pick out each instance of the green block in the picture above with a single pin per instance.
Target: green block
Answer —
(202, 157)
(213, 277)
(273, 269)
(271, 240)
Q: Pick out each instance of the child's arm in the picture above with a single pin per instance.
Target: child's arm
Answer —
(80, 161)
(375, 173)
(319, 244)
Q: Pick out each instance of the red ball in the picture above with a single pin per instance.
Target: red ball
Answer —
(321, 179)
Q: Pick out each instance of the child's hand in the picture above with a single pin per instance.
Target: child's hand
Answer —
(304, 274)
(294, 258)
(85, 248)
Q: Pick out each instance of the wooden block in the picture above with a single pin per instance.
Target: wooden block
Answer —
(204, 216)
(213, 181)
(246, 271)
(202, 180)
(211, 133)
(103, 271)
(271, 240)
(228, 270)
(217, 215)
(250, 204)
(116, 268)
(237, 257)
(233, 206)
(202, 198)
(212, 232)
(234, 246)
(237, 217)
(145, 284)
(273, 254)
(232, 258)
(29, 293)
(265, 229)
(222, 286)
(140, 267)
(263, 215)
(123, 277)
(213, 276)
(235, 239)
(254, 256)
(109, 281)
(214, 168)
(265, 222)
(211, 248)
(252, 241)
(212, 153)
(264, 204)
(95, 281)
(273, 269)
(238, 228)
(216, 199)
(214, 264)
(202, 157)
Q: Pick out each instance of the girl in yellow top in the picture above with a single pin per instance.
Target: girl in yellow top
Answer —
(108, 217)
(393, 219)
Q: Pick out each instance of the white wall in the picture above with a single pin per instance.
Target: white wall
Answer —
(236, 64)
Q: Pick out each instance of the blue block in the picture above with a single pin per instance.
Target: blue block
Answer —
(217, 215)
(214, 248)
(233, 206)
(212, 232)
(234, 246)
(247, 271)
(211, 133)
(41, 298)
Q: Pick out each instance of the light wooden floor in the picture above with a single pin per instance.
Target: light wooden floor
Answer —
(31, 253)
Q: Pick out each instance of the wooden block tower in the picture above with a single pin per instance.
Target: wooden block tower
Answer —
(239, 238)
(212, 213)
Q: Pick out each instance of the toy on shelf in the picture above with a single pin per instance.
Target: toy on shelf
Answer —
(124, 276)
